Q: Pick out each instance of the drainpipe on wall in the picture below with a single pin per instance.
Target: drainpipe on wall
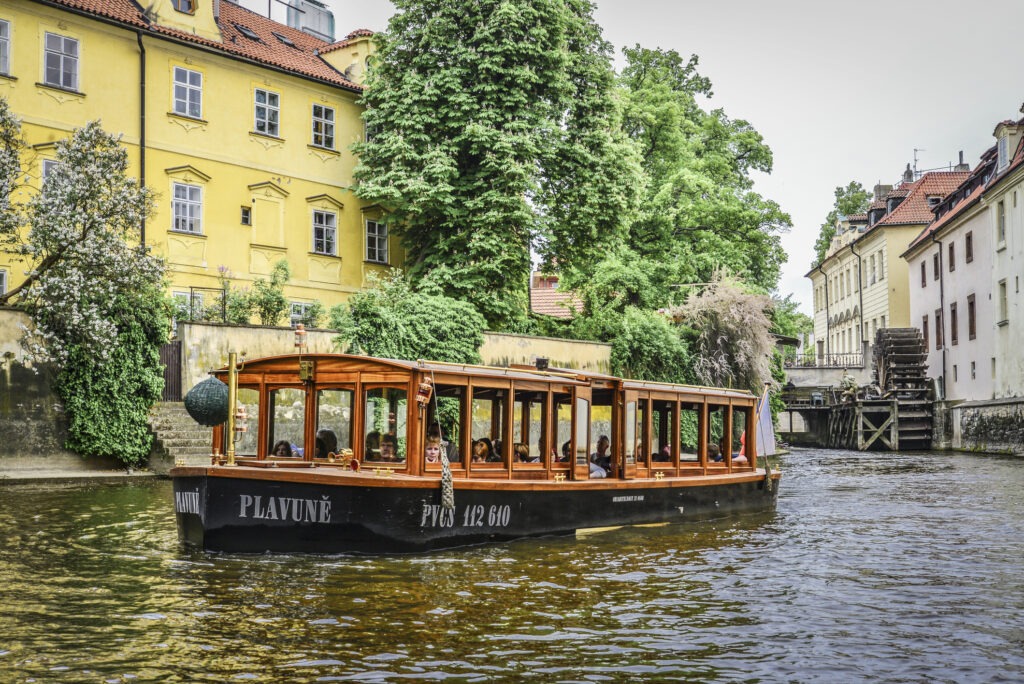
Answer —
(828, 346)
(942, 308)
(142, 127)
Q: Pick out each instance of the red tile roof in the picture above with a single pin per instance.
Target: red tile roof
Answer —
(857, 217)
(555, 303)
(947, 217)
(915, 209)
(302, 57)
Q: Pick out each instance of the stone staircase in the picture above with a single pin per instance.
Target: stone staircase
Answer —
(178, 438)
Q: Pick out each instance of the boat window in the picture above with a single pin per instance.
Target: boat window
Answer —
(287, 427)
(384, 417)
(582, 431)
(601, 432)
(563, 428)
(630, 440)
(716, 432)
(642, 442)
(689, 432)
(245, 442)
(739, 430)
(488, 425)
(333, 421)
(663, 430)
(528, 425)
(444, 419)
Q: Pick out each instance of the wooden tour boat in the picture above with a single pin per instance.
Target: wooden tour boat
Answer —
(401, 456)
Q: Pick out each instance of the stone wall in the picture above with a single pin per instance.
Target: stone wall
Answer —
(994, 426)
(32, 420)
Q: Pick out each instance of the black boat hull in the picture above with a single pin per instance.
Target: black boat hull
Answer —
(242, 514)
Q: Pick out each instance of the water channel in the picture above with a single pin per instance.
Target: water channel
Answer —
(875, 567)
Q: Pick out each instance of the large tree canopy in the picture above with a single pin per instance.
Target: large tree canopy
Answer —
(700, 212)
(494, 132)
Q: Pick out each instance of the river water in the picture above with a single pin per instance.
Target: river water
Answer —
(875, 567)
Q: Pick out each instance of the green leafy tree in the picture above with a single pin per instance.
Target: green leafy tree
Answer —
(700, 212)
(495, 131)
(95, 295)
(852, 199)
(648, 347)
(391, 320)
(266, 298)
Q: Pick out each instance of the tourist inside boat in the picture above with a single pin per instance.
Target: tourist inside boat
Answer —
(417, 418)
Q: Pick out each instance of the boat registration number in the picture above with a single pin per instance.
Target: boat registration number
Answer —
(476, 515)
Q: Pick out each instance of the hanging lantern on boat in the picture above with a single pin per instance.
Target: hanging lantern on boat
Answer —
(300, 337)
(241, 419)
(424, 391)
(207, 402)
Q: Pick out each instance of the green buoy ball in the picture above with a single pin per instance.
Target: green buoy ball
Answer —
(207, 402)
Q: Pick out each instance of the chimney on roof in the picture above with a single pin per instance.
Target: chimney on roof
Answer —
(908, 174)
(216, 10)
(962, 166)
(881, 191)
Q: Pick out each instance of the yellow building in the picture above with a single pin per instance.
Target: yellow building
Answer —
(241, 125)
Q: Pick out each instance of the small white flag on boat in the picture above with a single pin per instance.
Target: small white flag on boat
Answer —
(765, 429)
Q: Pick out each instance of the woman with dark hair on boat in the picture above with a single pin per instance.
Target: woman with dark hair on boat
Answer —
(483, 452)
(282, 449)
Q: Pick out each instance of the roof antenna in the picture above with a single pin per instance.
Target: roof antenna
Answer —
(916, 150)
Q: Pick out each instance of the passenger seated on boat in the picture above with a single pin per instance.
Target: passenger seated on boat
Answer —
(282, 449)
(434, 432)
(483, 452)
(566, 453)
(714, 453)
(432, 452)
(522, 452)
(663, 456)
(372, 449)
(389, 449)
(740, 459)
(326, 443)
(601, 456)
(597, 471)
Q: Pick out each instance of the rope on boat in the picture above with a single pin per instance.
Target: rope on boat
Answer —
(447, 488)
(768, 483)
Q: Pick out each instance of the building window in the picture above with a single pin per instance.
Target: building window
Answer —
(952, 257)
(924, 330)
(61, 62)
(883, 322)
(267, 111)
(1004, 151)
(972, 330)
(935, 265)
(325, 232)
(938, 328)
(377, 242)
(881, 266)
(5, 47)
(1001, 222)
(954, 334)
(299, 312)
(186, 6)
(1004, 313)
(48, 167)
(246, 216)
(969, 247)
(924, 274)
(955, 374)
(188, 208)
(188, 306)
(323, 126)
(3, 281)
(974, 370)
(873, 271)
(188, 93)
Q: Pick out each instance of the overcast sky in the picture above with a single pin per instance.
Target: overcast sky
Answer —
(840, 92)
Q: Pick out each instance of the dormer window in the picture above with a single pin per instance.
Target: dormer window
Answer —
(933, 201)
(1004, 151)
(247, 32)
(186, 6)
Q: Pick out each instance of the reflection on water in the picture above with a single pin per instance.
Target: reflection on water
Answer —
(876, 567)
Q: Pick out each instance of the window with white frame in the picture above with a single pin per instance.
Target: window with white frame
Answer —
(3, 281)
(323, 126)
(187, 208)
(377, 242)
(188, 93)
(186, 6)
(267, 112)
(1004, 151)
(48, 166)
(60, 61)
(5, 47)
(1004, 310)
(188, 306)
(325, 232)
(1001, 222)
(300, 312)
